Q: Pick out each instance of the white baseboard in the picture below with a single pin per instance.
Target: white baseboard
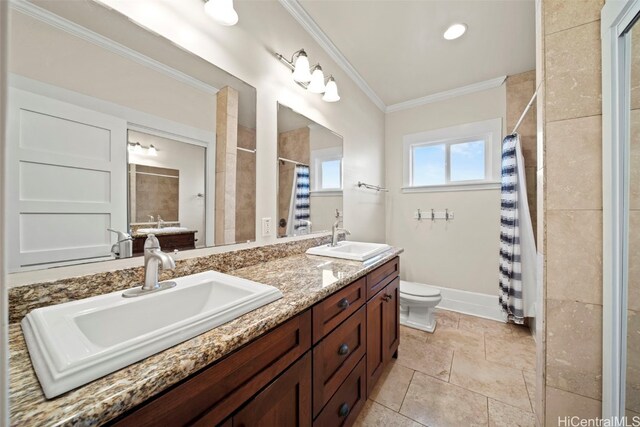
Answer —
(473, 303)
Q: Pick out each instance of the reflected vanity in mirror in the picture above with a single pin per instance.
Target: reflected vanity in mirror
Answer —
(309, 175)
(116, 133)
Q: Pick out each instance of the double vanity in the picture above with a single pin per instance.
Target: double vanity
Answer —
(309, 357)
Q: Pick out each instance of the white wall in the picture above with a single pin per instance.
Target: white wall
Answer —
(463, 253)
(190, 161)
(4, 312)
(247, 51)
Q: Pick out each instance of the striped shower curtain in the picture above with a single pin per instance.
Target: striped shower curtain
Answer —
(517, 245)
(299, 209)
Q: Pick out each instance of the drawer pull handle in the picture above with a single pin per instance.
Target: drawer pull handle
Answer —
(388, 297)
(343, 304)
(344, 410)
(344, 349)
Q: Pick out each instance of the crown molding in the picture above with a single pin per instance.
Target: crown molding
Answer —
(304, 19)
(56, 21)
(447, 94)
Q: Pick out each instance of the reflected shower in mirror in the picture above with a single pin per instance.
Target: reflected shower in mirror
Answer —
(116, 128)
(309, 175)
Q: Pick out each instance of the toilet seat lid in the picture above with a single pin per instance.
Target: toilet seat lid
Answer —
(418, 289)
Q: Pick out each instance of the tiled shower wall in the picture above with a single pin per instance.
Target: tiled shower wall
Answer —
(520, 88)
(570, 206)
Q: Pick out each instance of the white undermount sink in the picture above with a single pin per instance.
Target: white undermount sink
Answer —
(163, 230)
(356, 251)
(77, 342)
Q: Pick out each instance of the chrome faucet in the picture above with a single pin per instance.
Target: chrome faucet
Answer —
(160, 222)
(335, 230)
(154, 259)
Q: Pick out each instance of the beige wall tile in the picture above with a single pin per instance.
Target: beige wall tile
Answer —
(633, 301)
(574, 163)
(574, 347)
(573, 73)
(447, 405)
(633, 361)
(563, 14)
(562, 404)
(634, 160)
(574, 256)
(501, 415)
(490, 379)
(635, 67)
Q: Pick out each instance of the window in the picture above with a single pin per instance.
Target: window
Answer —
(327, 170)
(460, 157)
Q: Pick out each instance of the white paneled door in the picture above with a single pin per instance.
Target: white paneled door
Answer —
(70, 166)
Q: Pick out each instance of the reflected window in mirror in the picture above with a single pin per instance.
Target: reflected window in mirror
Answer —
(309, 175)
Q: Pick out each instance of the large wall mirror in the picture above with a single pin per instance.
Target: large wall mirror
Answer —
(309, 175)
(116, 133)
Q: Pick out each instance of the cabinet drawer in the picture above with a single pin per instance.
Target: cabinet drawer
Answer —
(222, 388)
(344, 406)
(382, 276)
(333, 310)
(336, 355)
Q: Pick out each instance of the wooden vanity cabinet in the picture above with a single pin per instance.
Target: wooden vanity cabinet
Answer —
(168, 242)
(383, 331)
(316, 369)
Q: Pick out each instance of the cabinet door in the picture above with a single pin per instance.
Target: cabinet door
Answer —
(286, 402)
(376, 313)
(383, 330)
(391, 334)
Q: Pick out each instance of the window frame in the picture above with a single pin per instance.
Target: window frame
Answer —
(489, 131)
(318, 157)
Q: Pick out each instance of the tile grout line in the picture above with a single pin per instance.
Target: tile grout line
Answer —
(406, 391)
(526, 387)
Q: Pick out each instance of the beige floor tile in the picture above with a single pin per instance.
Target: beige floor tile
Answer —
(376, 415)
(458, 339)
(530, 382)
(425, 357)
(513, 352)
(502, 415)
(392, 386)
(490, 379)
(436, 403)
(562, 404)
(447, 319)
(519, 330)
(480, 325)
(407, 332)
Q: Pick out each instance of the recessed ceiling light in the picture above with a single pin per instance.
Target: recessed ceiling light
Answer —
(455, 31)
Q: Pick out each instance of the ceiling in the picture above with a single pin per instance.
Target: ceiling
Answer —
(397, 46)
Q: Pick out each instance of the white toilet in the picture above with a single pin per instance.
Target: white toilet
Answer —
(418, 305)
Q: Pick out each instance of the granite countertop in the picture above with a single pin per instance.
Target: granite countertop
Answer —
(303, 280)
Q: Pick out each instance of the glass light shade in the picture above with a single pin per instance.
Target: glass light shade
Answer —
(221, 11)
(317, 81)
(137, 148)
(301, 68)
(455, 31)
(331, 91)
(152, 151)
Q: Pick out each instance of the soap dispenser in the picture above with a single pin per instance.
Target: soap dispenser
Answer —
(124, 246)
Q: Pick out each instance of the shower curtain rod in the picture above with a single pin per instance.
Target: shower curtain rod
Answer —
(282, 159)
(526, 109)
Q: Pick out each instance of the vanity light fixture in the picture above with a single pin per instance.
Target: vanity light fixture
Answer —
(137, 148)
(311, 79)
(455, 31)
(221, 11)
